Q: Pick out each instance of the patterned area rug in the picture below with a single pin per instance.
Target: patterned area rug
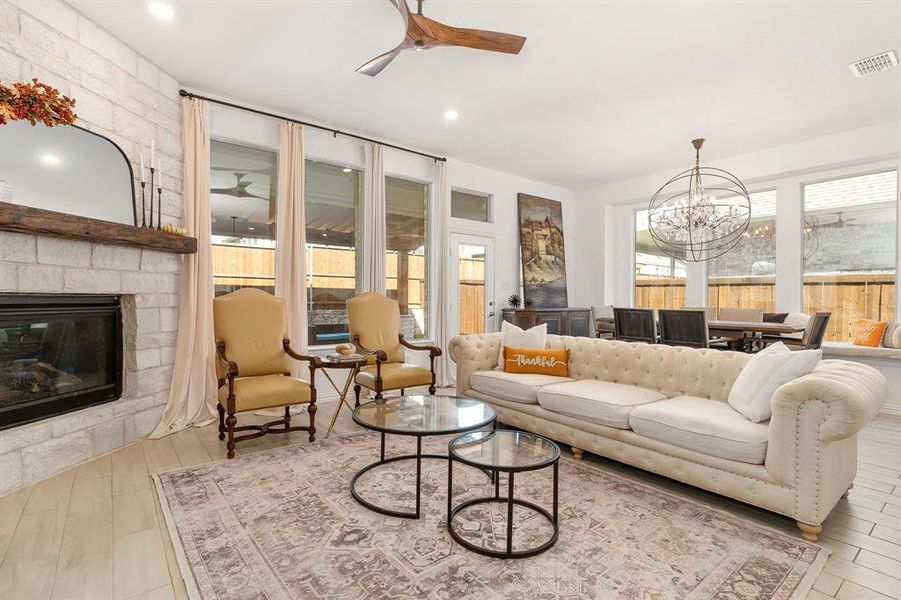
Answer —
(281, 524)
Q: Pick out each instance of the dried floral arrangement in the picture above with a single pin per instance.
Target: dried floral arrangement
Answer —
(35, 102)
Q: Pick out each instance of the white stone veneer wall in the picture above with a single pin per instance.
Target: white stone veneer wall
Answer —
(120, 95)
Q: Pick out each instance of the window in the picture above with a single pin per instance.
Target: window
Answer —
(242, 201)
(745, 277)
(407, 261)
(332, 211)
(659, 279)
(849, 256)
(471, 206)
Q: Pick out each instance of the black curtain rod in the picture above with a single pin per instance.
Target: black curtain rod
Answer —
(335, 132)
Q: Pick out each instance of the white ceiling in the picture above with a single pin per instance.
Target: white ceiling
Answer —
(602, 91)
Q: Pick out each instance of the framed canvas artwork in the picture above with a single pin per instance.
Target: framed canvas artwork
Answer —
(543, 256)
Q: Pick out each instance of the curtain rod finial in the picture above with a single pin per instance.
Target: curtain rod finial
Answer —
(183, 93)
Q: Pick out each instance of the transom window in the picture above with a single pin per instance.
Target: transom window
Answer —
(471, 206)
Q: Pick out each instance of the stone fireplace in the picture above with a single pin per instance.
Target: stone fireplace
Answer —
(126, 98)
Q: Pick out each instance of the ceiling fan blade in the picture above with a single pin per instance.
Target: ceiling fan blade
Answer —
(401, 5)
(480, 39)
(375, 66)
(228, 191)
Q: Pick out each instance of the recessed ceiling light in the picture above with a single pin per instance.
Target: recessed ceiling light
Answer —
(450, 114)
(49, 159)
(252, 228)
(346, 170)
(160, 10)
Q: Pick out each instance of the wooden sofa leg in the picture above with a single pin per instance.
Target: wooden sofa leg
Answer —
(809, 532)
(230, 422)
(850, 487)
(577, 453)
(221, 421)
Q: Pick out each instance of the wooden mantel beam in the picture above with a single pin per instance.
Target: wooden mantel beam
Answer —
(38, 221)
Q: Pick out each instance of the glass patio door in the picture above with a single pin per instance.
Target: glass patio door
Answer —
(473, 307)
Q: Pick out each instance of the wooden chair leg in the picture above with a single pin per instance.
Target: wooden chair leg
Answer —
(230, 422)
(287, 417)
(432, 389)
(357, 394)
(221, 421)
(312, 410)
(401, 391)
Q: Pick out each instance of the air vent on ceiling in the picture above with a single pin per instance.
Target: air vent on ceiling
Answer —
(873, 64)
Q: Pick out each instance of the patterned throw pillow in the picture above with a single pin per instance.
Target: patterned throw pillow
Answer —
(540, 362)
(869, 333)
(892, 336)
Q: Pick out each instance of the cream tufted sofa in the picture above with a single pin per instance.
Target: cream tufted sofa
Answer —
(664, 409)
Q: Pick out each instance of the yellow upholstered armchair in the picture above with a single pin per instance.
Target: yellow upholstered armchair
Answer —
(374, 326)
(253, 364)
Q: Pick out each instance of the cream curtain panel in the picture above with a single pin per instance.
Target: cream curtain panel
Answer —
(290, 236)
(444, 369)
(192, 395)
(374, 209)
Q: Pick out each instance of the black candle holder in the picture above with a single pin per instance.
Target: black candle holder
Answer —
(152, 171)
(143, 209)
(159, 207)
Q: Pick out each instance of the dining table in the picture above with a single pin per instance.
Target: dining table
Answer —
(744, 327)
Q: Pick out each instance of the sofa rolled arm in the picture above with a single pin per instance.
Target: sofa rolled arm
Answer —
(473, 352)
(815, 418)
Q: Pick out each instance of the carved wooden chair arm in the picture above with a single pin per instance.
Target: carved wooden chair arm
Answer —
(380, 355)
(433, 350)
(230, 366)
(315, 361)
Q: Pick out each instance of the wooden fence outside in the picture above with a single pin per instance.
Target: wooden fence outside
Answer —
(848, 297)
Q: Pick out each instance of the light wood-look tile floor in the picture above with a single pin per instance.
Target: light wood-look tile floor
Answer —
(96, 530)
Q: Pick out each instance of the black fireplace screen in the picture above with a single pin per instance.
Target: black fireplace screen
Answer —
(58, 353)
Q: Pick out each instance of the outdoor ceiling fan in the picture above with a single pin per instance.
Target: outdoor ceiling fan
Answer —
(423, 33)
(240, 188)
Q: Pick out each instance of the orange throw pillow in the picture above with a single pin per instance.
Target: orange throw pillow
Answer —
(869, 333)
(541, 362)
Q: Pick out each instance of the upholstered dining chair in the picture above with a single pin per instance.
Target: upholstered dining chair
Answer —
(684, 327)
(811, 339)
(253, 364)
(634, 325)
(374, 327)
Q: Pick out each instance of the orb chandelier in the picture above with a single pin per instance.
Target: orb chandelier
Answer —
(699, 214)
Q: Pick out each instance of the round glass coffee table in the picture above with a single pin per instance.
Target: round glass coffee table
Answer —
(509, 452)
(417, 416)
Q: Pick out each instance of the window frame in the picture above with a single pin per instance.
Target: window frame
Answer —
(431, 271)
(861, 170)
(321, 349)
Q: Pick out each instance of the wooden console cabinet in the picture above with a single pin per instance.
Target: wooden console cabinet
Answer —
(560, 321)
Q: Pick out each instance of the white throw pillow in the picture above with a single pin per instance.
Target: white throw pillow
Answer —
(514, 337)
(752, 392)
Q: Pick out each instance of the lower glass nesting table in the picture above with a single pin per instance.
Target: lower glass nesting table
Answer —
(416, 416)
(503, 451)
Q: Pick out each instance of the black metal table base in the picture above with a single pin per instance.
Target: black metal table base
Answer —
(383, 461)
(510, 501)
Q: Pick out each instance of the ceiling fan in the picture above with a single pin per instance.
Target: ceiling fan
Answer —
(839, 223)
(422, 33)
(240, 189)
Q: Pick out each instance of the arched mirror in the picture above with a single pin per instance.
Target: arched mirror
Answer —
(67, 169)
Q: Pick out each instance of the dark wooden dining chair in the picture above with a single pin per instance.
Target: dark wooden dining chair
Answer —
(812, 339)
(684, 327)
(634, 325)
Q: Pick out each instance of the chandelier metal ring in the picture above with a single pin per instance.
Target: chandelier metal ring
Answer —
(700, 213)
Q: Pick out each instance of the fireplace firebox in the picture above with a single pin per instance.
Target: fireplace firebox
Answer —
(58, 353)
